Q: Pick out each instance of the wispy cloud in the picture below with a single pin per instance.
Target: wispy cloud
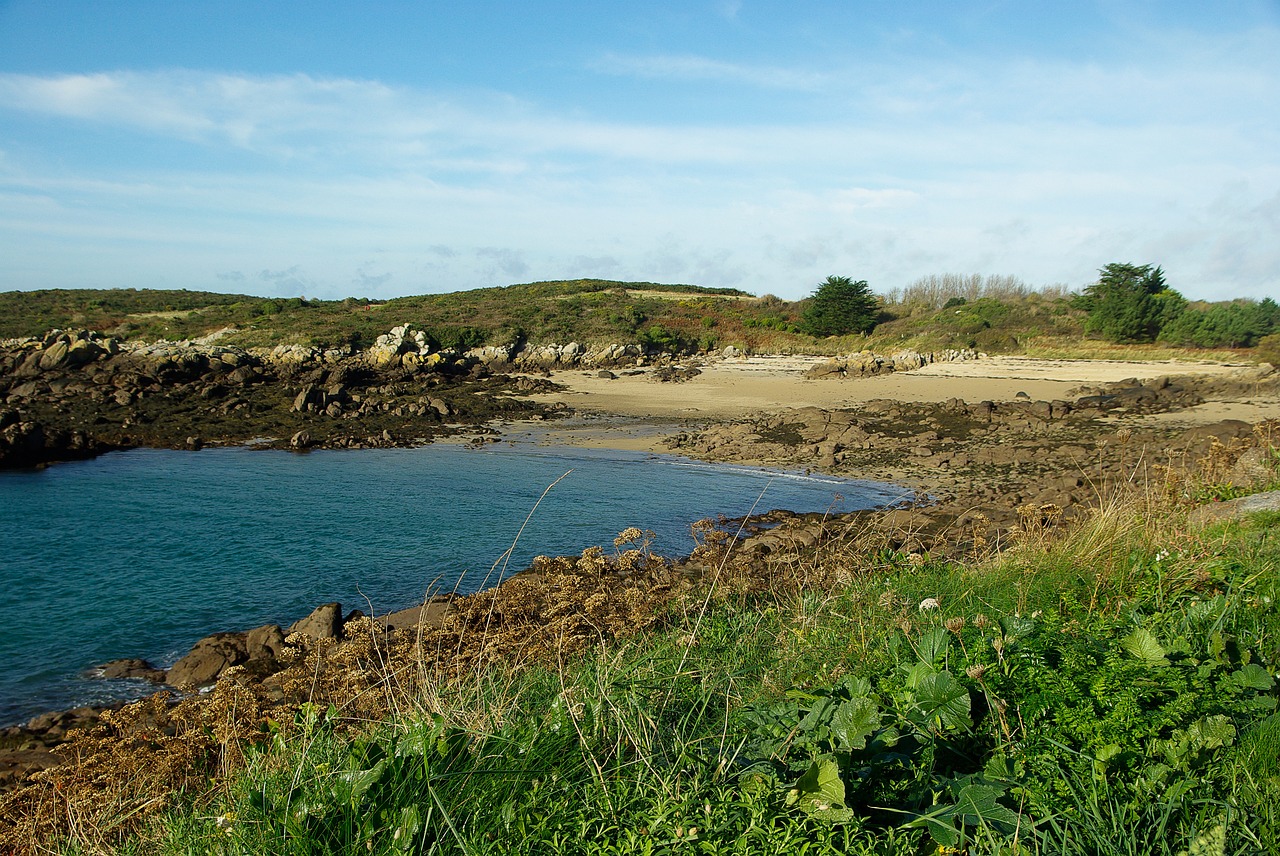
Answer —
(1042, 168)
(699, 68)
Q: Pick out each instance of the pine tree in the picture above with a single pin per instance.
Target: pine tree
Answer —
(840, 306)
(1130, 303)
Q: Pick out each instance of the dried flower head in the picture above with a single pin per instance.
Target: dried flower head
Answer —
(628, 536)
(954, 624)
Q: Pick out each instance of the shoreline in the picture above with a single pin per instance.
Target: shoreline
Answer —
(526, 438)
(991, 452)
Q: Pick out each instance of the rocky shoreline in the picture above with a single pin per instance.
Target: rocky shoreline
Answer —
(985, 470)
(76, 394)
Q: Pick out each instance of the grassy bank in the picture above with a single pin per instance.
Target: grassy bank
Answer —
(1107, 688)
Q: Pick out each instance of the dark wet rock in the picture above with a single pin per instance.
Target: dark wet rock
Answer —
(132, 667)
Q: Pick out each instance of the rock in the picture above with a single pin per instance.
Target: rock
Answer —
(131, 667)
(1253, 467)
(54, 356)
(1236, 508)
(301, 440)
(265, 641)
(324, 622)
(207, 660)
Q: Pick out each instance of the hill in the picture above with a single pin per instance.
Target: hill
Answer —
(995, 315)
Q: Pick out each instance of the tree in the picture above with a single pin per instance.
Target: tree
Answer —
(1129, 303)
(1238, 324)
(840, 306)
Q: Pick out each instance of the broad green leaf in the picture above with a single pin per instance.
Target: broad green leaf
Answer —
(357, 782)
(1213, 732)
(917, 673)
(856, 686)
(854, 721)
(1253, 677)
(818, 716)
(820, 792)
(941, 700)
(404, 837)
(939, 824)
(1144, 646)
(977, 804)
(1017, 627)
(933, 645)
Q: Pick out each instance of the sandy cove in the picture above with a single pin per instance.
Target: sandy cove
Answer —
(749, 387)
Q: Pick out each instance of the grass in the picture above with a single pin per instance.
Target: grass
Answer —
(1106, 687)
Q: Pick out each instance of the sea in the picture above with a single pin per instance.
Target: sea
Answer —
(141, 553)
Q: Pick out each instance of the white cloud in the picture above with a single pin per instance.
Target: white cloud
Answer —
(687, 67)
(1046, 170)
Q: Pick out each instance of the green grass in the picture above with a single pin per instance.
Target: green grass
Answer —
(1106, 690)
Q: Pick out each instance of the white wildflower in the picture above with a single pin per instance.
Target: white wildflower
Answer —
(929, 603)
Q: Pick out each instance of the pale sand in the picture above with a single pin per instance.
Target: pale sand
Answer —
(753, 386)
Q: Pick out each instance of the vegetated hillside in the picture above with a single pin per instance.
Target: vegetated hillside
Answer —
(998, 315)
(671, 317)
(677, 318)
(994, 325)
(31, 313)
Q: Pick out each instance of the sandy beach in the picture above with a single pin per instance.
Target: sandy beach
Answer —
(746, 387)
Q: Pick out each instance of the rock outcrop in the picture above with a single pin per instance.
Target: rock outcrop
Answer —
(867, 363)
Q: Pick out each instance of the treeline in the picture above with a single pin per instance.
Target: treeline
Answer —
(937, 290)
(1132, 304)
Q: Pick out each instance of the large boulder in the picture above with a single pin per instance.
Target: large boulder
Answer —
(265, 641)
(324, 622)
(1234, 509)
(207, 660)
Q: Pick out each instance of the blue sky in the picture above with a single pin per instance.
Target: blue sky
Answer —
(380, 149)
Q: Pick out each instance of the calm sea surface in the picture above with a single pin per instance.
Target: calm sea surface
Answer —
(141, 553)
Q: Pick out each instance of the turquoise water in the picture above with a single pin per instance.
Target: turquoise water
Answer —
(141, 553)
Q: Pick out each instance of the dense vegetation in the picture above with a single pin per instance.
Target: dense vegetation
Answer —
(841, 306)
(1128, 305)
(1132, 303)
(1105, 688)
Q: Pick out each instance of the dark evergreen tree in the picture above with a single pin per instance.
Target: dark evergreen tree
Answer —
(841, 306)
(1129, 303)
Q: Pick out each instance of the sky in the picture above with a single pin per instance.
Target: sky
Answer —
(380, 149)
